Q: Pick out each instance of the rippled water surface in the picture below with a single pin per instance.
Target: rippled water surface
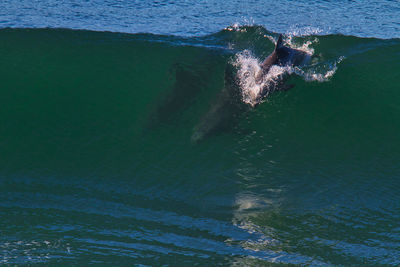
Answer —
(193, 18)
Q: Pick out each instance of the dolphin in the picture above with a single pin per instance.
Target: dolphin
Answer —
(281, 56)
(284, 56)
(228, 107)
(224, 111)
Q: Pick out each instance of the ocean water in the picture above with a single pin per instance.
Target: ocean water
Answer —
(369, 18)
(120, 143)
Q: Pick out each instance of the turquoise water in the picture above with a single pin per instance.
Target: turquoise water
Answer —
(121, 148)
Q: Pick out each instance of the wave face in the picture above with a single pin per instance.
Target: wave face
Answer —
(119, 148)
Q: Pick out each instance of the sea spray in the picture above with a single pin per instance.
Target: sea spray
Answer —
(253, 82)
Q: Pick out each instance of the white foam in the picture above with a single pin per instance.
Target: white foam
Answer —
(305, 31)
(305, 46)
(254, 83)
(235, 27)
(324, 74)
(241, 26)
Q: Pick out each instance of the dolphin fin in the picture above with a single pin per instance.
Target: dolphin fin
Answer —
(279, 43)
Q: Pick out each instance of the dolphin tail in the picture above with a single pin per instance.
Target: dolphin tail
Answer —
(279, 43)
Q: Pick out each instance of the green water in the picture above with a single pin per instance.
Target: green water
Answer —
(97, 163)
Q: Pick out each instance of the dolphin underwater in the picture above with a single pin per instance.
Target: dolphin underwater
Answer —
(229, 105)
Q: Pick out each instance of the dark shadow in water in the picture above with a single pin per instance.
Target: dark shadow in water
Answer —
(225, 111)
(189, 82)
(192, 83)
(189, 79)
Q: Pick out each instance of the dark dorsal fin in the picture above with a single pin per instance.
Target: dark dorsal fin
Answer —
(279, 43)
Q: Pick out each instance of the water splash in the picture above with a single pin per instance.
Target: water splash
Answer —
(297, 30)
(322, 72)
(241, 27)
(305, 46)
(252, 81)
(236, 28)
(256, 86)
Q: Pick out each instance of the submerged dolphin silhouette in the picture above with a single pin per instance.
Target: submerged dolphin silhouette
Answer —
(229, 105)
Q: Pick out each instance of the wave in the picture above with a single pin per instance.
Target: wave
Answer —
(172, 73)
(119, 142)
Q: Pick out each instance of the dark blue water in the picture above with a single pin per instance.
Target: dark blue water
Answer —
(358, 18)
